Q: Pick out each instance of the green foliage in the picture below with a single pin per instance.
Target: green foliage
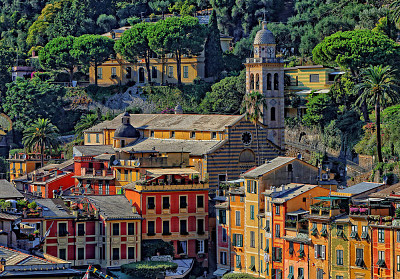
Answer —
(32, 205)
(6, 62)
(28, 100)
(106, 22)
(387, 27)
(56, 55)
(212, 49)
(147, 269)
(238, 276)
(21, 204)
(226, 95)
(87, 121)
(356, 50)
(179, 36)
(151, 247)
(320, 110)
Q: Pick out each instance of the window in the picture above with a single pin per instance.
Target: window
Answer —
(152, 134)
(200, 226)
(165, 203)
(276, 81)
(277, 209)
(252, 239)
(267, 228)
(233, 198)
(192, 135)
(237, 218)
(81, 229)
(267, 269)
(261, 241)
(62, 229)
(200, 246)
(252, 212)
(354, 230)
(252, 263)
(99, 73)
(258, 85)
(150, 203)
(150, 228)
(364, 234)
(154, 72)
(222, 217)
(107, 187)
(224, 235)
(381, 259)
(339, 257)
(97, 138)
(170, 71)
(237, 240)
(291, 272)
(314, 78)
(359, 257)
(339, 230)
(182, 247)
(277, 230)
(398, 263)
(398, 235)
(165, 226)
(269, 81)
(131, 228)
(381, 235)
(62, 254)
(251, 82)
(241, 198)
(128, 72)
(319, 251)
(276, 273)
(291, 248)
(267, 245)
(214, 135)
(277, 254)
(251, 184)
(88, 138)
(115, 229)
(200, 201)
(300, 273)
(273, 114)
(238, 261)
(81, 253)
(122, 143)
(115, 254)
(131, 253)
(100, 187)
(320, 273)
(185, 71)
(172, 134)
(183, 226)
(222, 258)
(113, 72)
(339, 277)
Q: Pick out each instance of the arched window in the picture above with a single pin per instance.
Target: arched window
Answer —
(290, 168)
(251, 82)
(276, 82)
(247, 156)
(273, 116)
(257, 81)
(269, 80)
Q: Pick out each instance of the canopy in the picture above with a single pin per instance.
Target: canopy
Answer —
(179, 171)
(220, 272)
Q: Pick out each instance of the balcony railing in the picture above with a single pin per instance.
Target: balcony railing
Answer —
(264, 60)
(96, 172)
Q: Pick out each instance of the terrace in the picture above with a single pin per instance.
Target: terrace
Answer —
(296, 221)
(328, 207)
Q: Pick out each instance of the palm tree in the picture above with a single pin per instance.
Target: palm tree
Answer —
(87, 121)
(379, 88)
(395, 6)
(40, 135)
(252, 107)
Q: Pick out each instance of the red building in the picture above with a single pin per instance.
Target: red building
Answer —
(174, 206)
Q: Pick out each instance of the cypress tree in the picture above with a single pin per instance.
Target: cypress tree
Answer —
(213, 51)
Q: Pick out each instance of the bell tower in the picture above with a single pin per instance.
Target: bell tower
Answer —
(264, 73)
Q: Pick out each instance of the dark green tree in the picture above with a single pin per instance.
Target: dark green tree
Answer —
(93, 50)
(134, 44)
(179, 36)
(7, 58)
(87, 121)
(213, 51)
(321, 110)
(378, 88)
(56, 55)
(41, 135)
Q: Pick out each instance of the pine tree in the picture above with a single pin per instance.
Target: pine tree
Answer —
(213, 51)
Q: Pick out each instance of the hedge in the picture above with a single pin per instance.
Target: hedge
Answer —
(147, 269)
(238, 276)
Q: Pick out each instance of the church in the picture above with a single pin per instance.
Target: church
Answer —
(220, 147)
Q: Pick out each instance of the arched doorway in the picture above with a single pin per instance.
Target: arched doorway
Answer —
(141, 75)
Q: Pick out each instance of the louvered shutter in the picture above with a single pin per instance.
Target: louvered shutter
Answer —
(197, 246)
(316, 251)
(323, 252)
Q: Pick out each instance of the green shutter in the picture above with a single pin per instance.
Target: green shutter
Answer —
(234, 239)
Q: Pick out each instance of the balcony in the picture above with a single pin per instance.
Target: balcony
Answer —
(142, 185)
(296, 221)
(264, 60)
(89, 172)
(358, 210)
(380, 220)
(328, 207)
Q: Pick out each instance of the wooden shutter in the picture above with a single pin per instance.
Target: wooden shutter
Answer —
(323, 251)
(234, 239)
(316, 251)
(197, 246)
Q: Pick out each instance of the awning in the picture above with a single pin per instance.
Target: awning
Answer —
(184, 267)
(220, 272)
(337, 73)
(323, 91)
(304, 92)
(182, 171)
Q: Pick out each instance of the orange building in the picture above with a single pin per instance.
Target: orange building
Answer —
(22, 163)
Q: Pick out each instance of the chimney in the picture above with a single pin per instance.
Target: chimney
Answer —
(283, 187)
(178, 109)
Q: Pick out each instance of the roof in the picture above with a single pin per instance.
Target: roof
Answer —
(195, 147)
(297, 212)
(61, 166)
(361, 188)
(173, 122)
(54, 208)
(8, 191)
(115, 207)
(106, 157)
(264, 36)
(92, 150)
(8, 216)
(291, 192)
(389, 191)
(178, 171)
(267, 167)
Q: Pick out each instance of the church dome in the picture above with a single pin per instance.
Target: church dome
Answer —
(126, 130)
(264, 36)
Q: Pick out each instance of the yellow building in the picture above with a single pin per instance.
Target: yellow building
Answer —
(22, 163)
(305, 80)
(117, 71)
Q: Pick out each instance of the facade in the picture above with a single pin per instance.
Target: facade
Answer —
(174, 205)
(117, 71)
(22, 164)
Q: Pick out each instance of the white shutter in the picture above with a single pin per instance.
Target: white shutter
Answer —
(316, 251)
(323, 251)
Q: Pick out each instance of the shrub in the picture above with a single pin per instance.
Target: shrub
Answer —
(32, 205)
(151, 247)
(147, 269)
(238, 276)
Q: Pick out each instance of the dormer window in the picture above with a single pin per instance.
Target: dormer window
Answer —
(172, 134)
(192, 135)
